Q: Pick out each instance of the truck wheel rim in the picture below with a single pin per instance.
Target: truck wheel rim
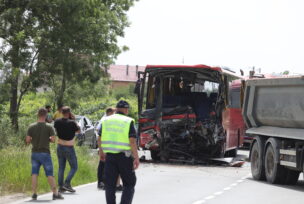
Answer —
(269, 160)
(255, 161)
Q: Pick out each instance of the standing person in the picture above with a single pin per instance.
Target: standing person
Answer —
(40, 134)
(100, 170)
(119, 150)
(49, 117)
(58, 114)
(66, 130)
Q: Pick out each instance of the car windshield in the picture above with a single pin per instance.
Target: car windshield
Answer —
(78, 118)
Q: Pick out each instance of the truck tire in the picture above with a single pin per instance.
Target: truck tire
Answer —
(274, 172)
(257, 159)
(291, 177)
(155, 155)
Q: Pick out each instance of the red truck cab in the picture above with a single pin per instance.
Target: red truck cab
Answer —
(189, 112)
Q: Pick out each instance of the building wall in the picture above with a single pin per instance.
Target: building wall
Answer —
(118, 84)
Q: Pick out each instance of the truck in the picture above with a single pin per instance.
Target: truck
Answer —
(189, 112)
(273, 111)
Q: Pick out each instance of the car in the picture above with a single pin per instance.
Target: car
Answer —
(87, 135)
(98, 123)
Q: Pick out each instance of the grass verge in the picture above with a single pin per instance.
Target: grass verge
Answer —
(15, 169)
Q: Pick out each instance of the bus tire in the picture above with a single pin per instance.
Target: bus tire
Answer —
(231, 153)
(155, 155)
(257, 159)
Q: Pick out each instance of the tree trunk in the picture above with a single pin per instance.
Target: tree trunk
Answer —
(14, 110)
(62, 90)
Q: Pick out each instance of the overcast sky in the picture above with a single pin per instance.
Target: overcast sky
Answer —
(267, 34)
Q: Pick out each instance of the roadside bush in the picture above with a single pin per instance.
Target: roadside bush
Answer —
(8, 137)
(124, 92)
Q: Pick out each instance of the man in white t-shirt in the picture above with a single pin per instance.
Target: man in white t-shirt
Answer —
(100, 170)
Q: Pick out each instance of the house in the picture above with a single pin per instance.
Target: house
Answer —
(123, 75)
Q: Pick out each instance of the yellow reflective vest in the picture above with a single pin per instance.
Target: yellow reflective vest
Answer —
(115, 133)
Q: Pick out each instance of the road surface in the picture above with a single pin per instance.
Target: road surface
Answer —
(183, 184)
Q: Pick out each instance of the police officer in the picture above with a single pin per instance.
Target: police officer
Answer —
(119, 149)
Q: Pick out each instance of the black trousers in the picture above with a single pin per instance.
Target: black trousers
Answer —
(100, 171)
(119, 164)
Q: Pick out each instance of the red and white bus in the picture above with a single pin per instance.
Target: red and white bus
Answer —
(189, 113)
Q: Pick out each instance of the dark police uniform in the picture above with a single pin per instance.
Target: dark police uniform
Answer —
(116, 131)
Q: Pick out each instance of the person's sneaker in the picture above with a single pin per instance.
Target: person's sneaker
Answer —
(34, 196)
(100, 185)
(69, 188)
(58, 196)
(119, 188)
(61, 189)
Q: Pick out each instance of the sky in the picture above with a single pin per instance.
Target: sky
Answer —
(240, 34)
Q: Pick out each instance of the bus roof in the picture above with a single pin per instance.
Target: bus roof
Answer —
(199, 66)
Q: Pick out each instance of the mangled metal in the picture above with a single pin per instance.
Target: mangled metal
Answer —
(183, 115)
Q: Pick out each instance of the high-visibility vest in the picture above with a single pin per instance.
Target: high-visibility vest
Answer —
(115, 133)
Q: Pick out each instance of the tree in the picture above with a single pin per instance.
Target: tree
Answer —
(17, 32)
(286, 72)
(58, 42)
(78, 38)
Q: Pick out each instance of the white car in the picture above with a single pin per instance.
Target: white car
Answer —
(87, 135)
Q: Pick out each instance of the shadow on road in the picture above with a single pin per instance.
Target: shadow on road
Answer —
(38, 201)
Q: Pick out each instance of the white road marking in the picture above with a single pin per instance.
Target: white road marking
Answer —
(221, 192)
(209, 197)
(199, 202)
(218, 193)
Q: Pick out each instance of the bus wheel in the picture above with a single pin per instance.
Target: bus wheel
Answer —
(256, 159)
(155, 155)
(231, 153)
(273, 170)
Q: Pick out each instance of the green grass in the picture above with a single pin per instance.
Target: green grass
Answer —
(15, 169)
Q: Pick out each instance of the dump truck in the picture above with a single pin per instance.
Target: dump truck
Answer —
(273, 111)
(189, 112)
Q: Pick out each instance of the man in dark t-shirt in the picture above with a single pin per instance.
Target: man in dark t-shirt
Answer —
(40, 134)
(66, 130)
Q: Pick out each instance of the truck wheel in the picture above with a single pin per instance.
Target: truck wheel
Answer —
(256, 159)
(291, 177)
(155, 155)
(274, 172)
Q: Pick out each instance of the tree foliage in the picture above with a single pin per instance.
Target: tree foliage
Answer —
(78, 37)
(58, 43)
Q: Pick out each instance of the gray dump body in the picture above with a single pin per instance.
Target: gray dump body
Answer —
(275, 107)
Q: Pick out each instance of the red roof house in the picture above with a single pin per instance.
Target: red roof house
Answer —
(123, 75)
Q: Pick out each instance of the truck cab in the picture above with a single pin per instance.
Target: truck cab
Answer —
(189, 113)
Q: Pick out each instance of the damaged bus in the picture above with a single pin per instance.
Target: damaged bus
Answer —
(189, 113)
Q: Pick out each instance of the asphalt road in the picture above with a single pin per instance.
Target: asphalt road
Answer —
(183, 184)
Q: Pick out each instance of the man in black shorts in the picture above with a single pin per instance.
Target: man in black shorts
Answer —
(66, 130)
(40, 134)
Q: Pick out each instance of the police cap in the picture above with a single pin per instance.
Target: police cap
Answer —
(122, 104)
